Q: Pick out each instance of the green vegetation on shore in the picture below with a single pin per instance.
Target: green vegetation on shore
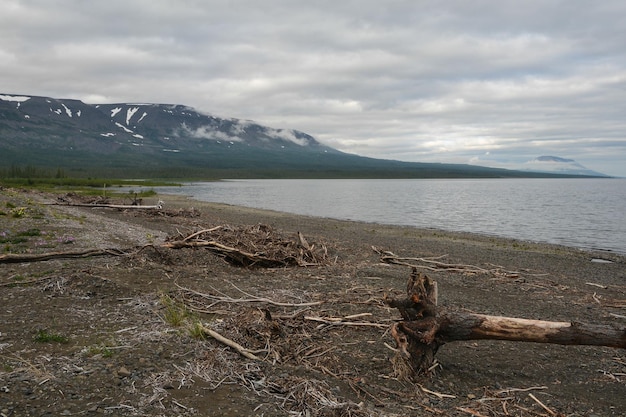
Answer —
(44, 179)
(164, 173)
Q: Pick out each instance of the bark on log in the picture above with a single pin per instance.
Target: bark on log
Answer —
(468, 326)
(425, 327)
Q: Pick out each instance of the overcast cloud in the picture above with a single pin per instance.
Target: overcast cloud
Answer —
(493, 83)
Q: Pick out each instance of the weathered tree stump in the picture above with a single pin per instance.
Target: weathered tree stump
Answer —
(426, 327)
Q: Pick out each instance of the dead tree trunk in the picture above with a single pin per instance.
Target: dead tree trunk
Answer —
(133, 206)
(34, 257)
(425, 327)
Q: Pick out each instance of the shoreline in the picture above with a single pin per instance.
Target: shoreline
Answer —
(487, 209)
(241, 213)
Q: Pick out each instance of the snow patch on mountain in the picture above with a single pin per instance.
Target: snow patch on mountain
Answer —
(67, 110)
(124, 128)
(130, 113)
(6, 97)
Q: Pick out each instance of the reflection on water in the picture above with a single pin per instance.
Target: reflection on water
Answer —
(586, 213)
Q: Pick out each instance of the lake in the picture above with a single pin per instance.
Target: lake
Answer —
(582, 213)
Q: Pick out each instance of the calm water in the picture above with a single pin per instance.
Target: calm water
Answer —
(584, 213)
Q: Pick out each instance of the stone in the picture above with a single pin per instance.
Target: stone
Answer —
(123, 372)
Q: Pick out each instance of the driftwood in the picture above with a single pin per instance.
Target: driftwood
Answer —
(231, 343)
(216, 299)
(257, 246)
(158, 206)
(34, 257)
(435, 264)
(426, 327)
(234, 255)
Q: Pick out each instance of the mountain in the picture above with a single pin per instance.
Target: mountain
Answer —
(558, 165)
(44, 131)
(170, 140)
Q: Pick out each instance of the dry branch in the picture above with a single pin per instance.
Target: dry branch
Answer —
(250, 299)
(425, 327)
(257, 245)
(234, 255)
(33, 257)
(240, 349)
(340, 321)
(434, 264)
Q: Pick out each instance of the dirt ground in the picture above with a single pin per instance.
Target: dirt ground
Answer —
(124, 334)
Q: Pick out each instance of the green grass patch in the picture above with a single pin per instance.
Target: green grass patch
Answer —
(30, 232)
(13, 239)
(99, 349)
(43, 336)
(19, 237)
(175, 312)
(18, 212)
(196, 330)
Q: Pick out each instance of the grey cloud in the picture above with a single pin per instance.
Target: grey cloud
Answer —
(490, 81)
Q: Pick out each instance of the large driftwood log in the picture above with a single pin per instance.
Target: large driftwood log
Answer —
(34, 257)
(158, 206)
(425, 327)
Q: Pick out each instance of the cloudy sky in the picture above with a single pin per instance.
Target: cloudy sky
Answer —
(492, 83)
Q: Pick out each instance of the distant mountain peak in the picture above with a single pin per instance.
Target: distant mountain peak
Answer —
(559, 165)
(549, 158)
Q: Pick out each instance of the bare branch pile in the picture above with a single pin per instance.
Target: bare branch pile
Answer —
(257, 245)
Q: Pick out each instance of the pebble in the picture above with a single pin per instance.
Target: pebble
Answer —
(123, 372)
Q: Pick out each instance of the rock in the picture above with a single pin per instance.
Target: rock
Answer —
(123, 372)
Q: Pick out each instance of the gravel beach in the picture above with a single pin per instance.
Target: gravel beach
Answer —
(123, 332)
